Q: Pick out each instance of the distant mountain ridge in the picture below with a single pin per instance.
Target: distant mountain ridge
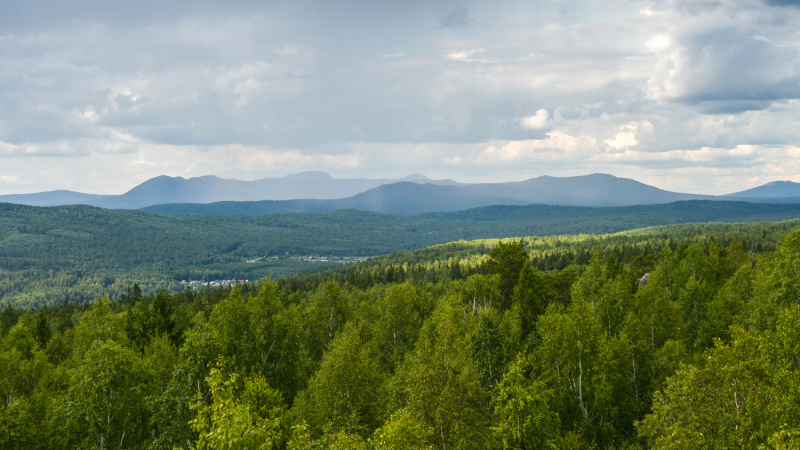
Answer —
(208, 189)
(52, 198)
(406, 198)
(414, 194)
(774, 189)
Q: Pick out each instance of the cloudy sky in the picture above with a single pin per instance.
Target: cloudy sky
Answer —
(693, 96)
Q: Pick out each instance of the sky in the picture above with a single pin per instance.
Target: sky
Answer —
(691, 96)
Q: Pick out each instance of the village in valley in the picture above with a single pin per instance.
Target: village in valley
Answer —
(192, 284)
(313, 258)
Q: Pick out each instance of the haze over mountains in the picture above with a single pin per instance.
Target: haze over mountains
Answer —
(415, 194)
(406, 198)
(774, 189)
(209, 189)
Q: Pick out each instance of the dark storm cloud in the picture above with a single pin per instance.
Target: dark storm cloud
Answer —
(732, 106)
(725, 57)
(457, 18)
(731, 66)
(795, 3)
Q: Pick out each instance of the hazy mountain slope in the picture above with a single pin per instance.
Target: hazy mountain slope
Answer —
(594, 190)
(588, 190)
(771, 190)
(208, 189)
(306, 185)
(399, 198)
(410, 198)
(51, 198)
(415, 194)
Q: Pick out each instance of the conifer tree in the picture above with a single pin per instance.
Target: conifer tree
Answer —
(507, 260)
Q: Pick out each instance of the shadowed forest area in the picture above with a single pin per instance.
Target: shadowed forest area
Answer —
(54, 255)
(682, 337)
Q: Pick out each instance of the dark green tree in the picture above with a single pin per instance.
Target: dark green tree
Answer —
(161, 320)
(8, 317)
(136, 294)
(531, 295)
(507, 260)
(785, 283)
(642, 264)
(613, 266)
(42, 328)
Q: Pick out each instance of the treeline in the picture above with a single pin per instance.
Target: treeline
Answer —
(68, 253)
(694, 345)
(455, 260)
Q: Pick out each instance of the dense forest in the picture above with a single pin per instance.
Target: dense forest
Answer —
(677, 337)
(77, 253)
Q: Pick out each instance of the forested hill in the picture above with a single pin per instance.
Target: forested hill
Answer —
(676, 212)
(547, 253)
(48, 255)
(681, 336)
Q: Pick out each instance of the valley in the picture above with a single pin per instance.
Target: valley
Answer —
(51, 255)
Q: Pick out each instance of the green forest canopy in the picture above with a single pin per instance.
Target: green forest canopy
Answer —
(77, 253)
(673, 337)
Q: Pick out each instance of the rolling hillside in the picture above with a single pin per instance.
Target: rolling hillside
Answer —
(78, 252)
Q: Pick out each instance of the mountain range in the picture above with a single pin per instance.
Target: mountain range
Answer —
(209, 189)
(415, 194)
(406, 198)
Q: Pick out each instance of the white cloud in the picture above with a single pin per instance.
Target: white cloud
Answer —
(455, 161)
(626, 137)
(44, 149)
(545, 149)
(246, 90)
(10, 179)
(659, 43)
(649, 12)
(295, 50)
(89, 115)
(465, 55)
(721, 156)
(535, 122)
